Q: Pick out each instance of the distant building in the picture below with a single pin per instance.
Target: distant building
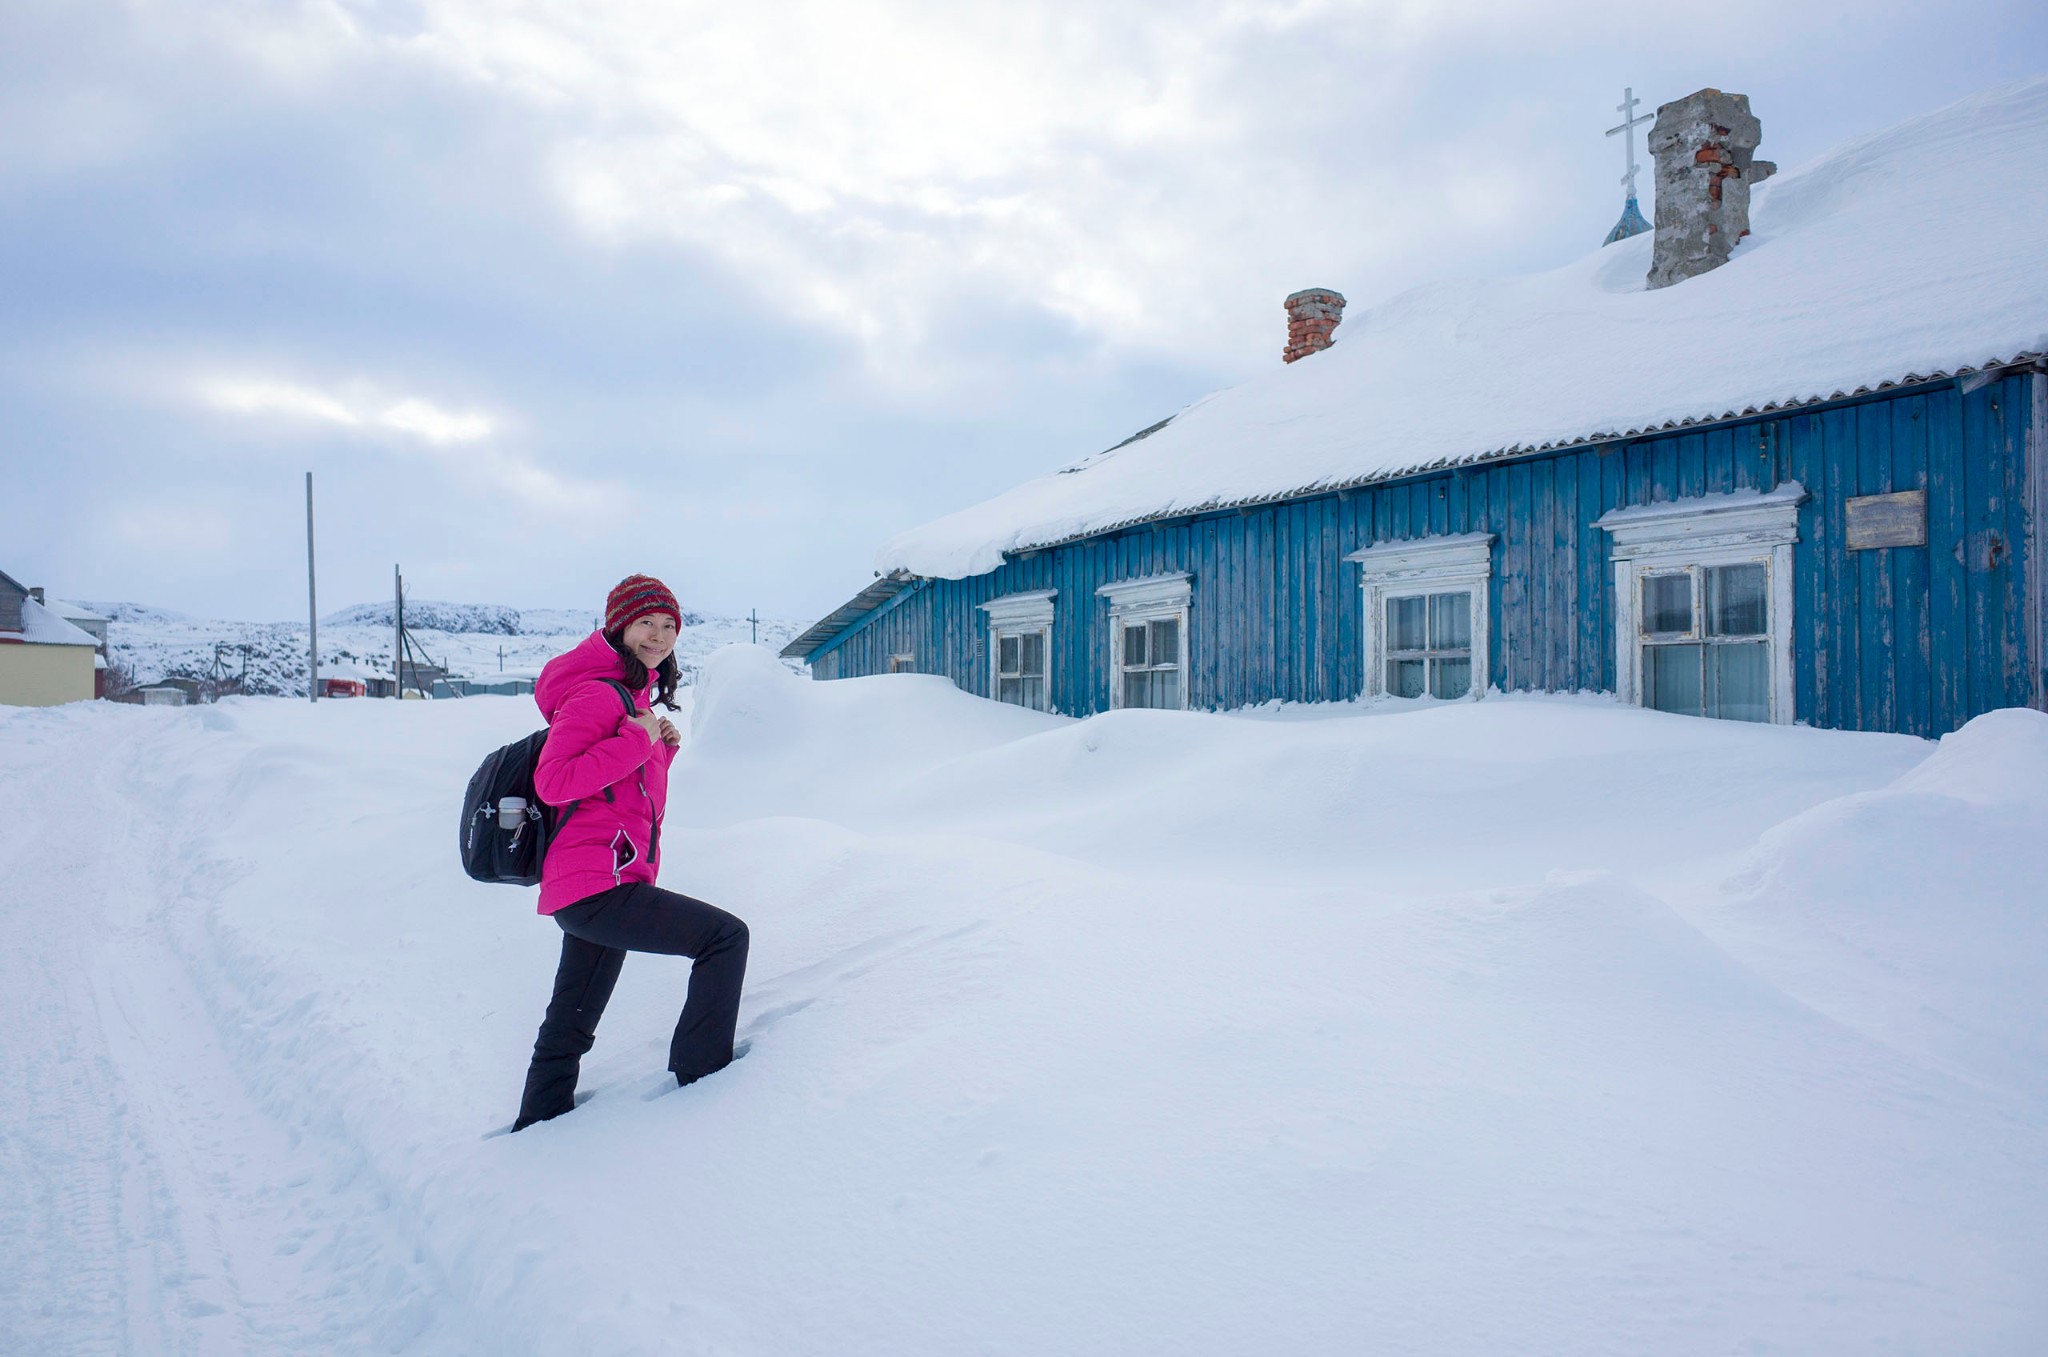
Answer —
(44, 660)
(94, 626)
(84, 619)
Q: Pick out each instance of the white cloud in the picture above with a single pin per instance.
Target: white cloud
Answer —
(423, 419)
(1147, 171)
(258, 396)
(1155, 173)
(354, 405)
(425, 426)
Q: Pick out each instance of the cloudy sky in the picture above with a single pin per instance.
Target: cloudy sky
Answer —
(547, 293)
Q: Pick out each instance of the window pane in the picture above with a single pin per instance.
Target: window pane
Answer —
(1166, 689)
(1671, 678)
(1735, 600)
(1405, 618)
(1404, 677)
(1739, 687)
(1032, 657)
(1166, 642)
(1006, 655)
(1134, 688)
(1032, 693)
(1450, 678)
(1009, 690)
(1667, 604)
(1134, 646)
(1450, 621)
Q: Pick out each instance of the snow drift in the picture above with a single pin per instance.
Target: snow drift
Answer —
(1536, 1025)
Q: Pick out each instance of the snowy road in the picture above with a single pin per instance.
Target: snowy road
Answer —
(1531, 1025)
(150, 1203)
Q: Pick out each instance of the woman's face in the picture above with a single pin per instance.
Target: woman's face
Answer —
(652, 638)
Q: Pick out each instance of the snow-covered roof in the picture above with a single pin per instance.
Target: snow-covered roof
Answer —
(40, 626)
(72, 612)
(1916, 253)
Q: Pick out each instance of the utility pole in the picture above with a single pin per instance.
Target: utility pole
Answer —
(312, 605)
(397, 634)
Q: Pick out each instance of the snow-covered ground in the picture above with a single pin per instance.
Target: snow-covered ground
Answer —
(1530, 1025)
(479, 641)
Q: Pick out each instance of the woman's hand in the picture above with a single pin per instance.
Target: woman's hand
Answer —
(670, 736)
(649, 723)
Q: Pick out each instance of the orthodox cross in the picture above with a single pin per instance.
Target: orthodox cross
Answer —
(1631, 222)
(1629, 122)
(755, 619)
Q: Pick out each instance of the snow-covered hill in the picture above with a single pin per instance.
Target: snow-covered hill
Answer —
(478, 640)
(1531, 1025)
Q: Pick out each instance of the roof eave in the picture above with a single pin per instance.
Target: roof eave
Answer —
(848, 615)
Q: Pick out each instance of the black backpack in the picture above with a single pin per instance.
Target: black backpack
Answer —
(513, 857)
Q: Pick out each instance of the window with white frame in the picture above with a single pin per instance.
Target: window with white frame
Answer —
(1703, 589)
(1148, 634)
(1425, 615)
(1020, 646)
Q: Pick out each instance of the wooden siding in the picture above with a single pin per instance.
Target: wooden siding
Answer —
(1911, 639)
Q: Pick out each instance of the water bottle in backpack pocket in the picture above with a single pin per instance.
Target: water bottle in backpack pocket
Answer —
(506, 827)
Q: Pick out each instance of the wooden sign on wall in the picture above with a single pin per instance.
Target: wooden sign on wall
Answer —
(1897, 520)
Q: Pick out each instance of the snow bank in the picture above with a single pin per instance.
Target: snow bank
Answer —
(1915, 912)
(1538, 1025)
(1917, 251)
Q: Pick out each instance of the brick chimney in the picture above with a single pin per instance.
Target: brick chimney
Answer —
(35, 592)
(1704, 145)
(1312, 314)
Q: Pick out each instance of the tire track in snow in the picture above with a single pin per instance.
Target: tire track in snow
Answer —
(152, 1204)
(82, 1261)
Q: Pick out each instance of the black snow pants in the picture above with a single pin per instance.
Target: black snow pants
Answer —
(597, 932)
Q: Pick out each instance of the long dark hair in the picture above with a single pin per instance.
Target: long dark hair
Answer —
(666, 673)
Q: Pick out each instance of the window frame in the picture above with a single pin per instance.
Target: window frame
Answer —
(1417, 567)
(1140, 602)
(1691, 536)
(1020, 615)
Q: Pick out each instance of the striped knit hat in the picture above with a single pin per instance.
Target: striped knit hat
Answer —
(633, 598)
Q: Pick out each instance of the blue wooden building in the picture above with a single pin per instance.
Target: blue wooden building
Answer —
(1811, 488)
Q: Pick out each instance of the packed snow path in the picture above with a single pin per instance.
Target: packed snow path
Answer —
(152, 1203)
(1526, 1025)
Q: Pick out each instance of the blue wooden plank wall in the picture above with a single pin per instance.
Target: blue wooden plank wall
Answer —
(1915, 639)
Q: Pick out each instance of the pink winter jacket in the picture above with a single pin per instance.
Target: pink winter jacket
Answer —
(616, 775)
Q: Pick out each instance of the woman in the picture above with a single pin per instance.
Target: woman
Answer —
(606, 773)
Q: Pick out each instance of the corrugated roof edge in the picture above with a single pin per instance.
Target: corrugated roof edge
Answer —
(848, 613)
(2032, 358)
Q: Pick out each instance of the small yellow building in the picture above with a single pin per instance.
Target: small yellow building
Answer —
(44, 660)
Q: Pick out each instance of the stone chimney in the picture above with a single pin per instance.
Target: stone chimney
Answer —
(1312, 314)
(1704, 145)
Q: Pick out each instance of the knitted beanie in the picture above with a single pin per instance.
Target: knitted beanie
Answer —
(633, 598)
